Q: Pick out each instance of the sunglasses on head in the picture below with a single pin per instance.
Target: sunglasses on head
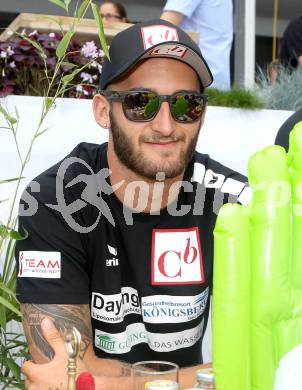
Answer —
(143, 105)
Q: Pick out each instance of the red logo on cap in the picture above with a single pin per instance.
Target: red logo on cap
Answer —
(153, 35)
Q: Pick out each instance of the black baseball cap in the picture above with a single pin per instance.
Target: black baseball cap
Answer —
(154, 38)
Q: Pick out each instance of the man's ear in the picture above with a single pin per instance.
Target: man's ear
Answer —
(101, 109)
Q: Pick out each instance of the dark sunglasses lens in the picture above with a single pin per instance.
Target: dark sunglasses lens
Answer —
(187, 107)
(140, 106)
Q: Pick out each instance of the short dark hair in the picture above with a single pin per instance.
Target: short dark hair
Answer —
(121, 10)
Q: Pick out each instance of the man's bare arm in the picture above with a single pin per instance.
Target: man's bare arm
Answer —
(108, 374)
(172, 16)
(64, 317)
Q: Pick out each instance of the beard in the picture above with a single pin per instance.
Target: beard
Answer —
(139, 163)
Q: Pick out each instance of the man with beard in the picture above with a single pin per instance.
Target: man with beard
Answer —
(121, 246)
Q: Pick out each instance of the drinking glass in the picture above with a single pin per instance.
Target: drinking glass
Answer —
(151, 370)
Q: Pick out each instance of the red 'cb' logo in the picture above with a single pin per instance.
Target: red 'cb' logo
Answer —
(176, 256)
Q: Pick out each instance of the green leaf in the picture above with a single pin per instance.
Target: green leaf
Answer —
(48, 101)
(18, 236)
(67, 2)
(63, 45)
(100, 27)
(59, 3)
(36, 45)
(10, 180)
(82, 9)
(15, 369)
(69, 77)
(68, 64)
(9, 306)
(8, 117)
(7, 290)
(42, 132)
(4, 232)
(2, 316)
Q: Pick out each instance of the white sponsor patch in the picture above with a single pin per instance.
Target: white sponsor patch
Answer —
(176, 256)
(232, 186)
(36, 264)
(136, 334)
(213, 180)
(113, 308)
(161, 309)
(246, 196)
(153, 35)
(198, 173)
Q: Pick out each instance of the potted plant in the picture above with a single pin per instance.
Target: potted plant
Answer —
(62, 68)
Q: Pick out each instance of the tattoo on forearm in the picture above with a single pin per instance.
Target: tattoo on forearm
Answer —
(64, 317)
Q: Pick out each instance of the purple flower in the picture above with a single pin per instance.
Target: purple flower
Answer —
(89, 50)
(33, 33)
(86, 77)
(20, 60)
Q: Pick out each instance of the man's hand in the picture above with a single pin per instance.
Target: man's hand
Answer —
(53, 374)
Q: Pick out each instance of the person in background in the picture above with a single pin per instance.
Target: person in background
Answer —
(291, 47)
(112, 11)
(213, 20)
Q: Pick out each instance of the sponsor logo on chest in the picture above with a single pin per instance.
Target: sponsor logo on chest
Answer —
(113, 308)
(113, 261)
(118, 343)
(176, 257)
(160, 309)
(36, 264)
(156, 309)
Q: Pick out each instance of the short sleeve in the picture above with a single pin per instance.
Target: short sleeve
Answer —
(185, 7)
(51, 262)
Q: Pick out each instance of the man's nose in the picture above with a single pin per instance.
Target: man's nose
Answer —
(163, 122)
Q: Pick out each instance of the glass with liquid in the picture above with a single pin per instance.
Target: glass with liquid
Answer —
(149, 371)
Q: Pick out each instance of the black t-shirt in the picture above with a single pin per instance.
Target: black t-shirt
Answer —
(146, 277)
(291, 47)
